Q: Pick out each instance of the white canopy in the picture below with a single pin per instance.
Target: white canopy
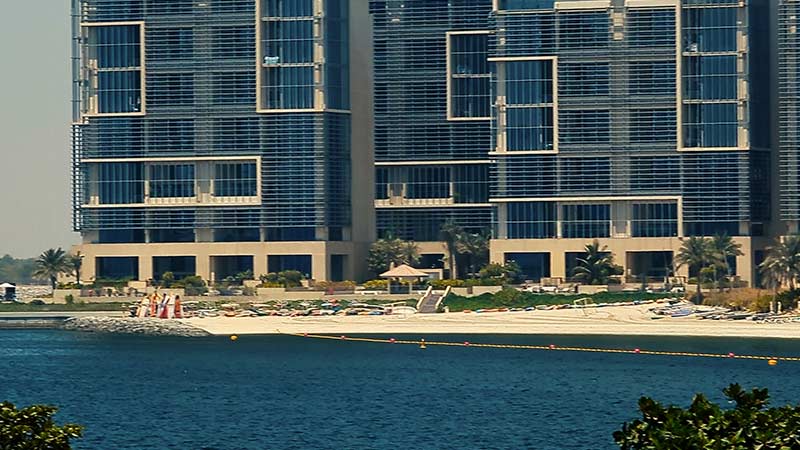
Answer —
(404, 271)
(7, 286)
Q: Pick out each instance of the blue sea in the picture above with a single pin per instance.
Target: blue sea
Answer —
(280, 392)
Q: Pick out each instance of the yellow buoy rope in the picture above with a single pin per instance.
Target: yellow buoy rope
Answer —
(422, 343)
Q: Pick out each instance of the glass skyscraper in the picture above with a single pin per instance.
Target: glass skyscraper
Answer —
(789, 117)
(214, 137)
(636, 122)
(432, 119)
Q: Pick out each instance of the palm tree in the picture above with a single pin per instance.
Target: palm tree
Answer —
(596, 265)
(723, 249)
(409, 253)
(476, 248)
(695, 252)
(450, 233)
(782, 264)
(51, 264)
(75, 263)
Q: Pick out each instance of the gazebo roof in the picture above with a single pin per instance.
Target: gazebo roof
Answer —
(404, 271)
(7, 286)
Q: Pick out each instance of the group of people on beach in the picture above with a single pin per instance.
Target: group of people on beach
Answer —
(161, 306)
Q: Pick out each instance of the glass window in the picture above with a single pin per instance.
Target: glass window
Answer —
(381, 183)
(710, 78)
(653, 125)
(525, 4)
(710, 29)
(529, 105)
(583, 79)
(235, 179)
(533, 266)
(586, 221)
(113, 65)
(710, 125)
(428, 182)
(654, 220)
(121, 183)
(649, 28)
(585, 126)
(172, 180)
(469, 75)
(531, 220)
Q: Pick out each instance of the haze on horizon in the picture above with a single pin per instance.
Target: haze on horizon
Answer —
(34, 128)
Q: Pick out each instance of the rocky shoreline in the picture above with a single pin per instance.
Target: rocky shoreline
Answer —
(132, 325)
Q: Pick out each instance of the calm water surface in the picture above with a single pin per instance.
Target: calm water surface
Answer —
(293, 393)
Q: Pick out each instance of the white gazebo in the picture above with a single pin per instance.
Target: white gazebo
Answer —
(9, 291)
(403, 272)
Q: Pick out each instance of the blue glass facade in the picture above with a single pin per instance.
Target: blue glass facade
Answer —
(789, 77)
(587, 115)
(188, 117)
(432, 108)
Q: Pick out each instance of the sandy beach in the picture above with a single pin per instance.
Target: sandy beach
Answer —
(628, 320)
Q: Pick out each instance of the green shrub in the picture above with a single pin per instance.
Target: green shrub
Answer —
(750, 424)
(32, 428)
(69, 299)
(335, 285)
(376, 285)
(443, 284)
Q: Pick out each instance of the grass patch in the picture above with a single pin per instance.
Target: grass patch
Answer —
(512, 298)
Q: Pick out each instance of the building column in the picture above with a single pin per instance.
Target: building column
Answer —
(319, 266)
(145, 267)
(558, 264)
(203, 267)
(259, 265)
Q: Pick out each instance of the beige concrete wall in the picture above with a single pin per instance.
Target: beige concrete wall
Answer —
(362, 148)
(618, 247)
(203, 252)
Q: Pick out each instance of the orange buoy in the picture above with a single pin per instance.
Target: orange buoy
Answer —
(773, 362)
(234, 337)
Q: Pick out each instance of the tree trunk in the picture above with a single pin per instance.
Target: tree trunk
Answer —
(78, 277)
(53, 282)
(699, 298)
(453, 268)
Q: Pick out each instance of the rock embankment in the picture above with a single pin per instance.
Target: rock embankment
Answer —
(132, 325)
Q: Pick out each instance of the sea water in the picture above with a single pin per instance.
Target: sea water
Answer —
(280, 392)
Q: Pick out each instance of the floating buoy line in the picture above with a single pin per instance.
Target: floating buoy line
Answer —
(423, 344)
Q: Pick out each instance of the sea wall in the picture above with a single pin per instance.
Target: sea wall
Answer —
(132, 325)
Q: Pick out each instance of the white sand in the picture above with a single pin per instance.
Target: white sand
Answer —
(603, 321)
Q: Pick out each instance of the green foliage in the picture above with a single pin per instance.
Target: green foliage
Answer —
(475, 248)
(705, 425)
(69, 299)
(18, 271)
(285, 279)
(376, 285)
(496, 274)
(336, 286)
(167, 279)
(390, 250)
(74, 264)
(443, 284)
(782, 264)
(192, 285)
(596, 265)
(50, 264)
(32, 428)
(238, 279)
